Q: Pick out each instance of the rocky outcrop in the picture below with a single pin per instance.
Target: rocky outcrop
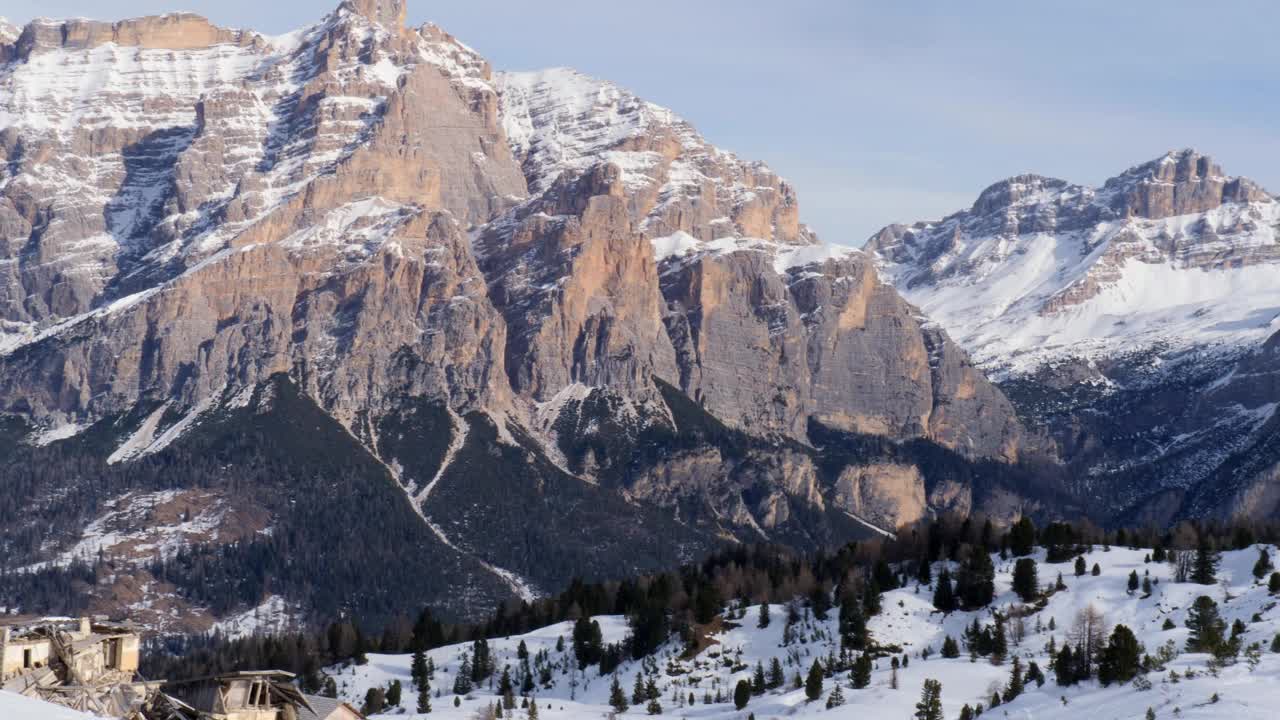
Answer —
(1129, 322)
(539, 277)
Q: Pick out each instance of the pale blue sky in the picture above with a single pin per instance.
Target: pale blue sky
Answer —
(883, 111)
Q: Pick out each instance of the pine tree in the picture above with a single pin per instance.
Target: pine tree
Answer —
(1080, 565)
(966, 712)
(1133, 582)
(1263, 566)
(1207, 626)
(944, 598)
(776, 678)
(924, 572)
(418, 669)
(654, 707)
(1096, 571)
(930, 705)
(394, 691)
(836, 698)
(949, 648)
(1146, 586)
(1273, 583)
(638, 694)
(1064, 666)
(617, 699)
(1016, 684)
(860, 674)
(1204, 569)
(741, 694)
(813, 683)
(424, 700)
(1026, 580)
(533, 710)
(999, 643)
(764, 616)
(757, 680)
(1122, 658)
(1022, 537)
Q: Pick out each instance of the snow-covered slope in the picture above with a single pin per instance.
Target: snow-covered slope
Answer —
(1039, 269)
(908, 620)
(1126, 322)
(18, 707)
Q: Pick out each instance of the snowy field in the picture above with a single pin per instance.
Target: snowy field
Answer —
(908, 620)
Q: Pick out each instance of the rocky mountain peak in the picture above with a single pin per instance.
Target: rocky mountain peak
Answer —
(387, 13)
(1017, 190)
(1180, 182)
(171, 31)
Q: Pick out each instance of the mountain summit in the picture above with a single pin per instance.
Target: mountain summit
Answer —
(1132, 322)
(429, 314)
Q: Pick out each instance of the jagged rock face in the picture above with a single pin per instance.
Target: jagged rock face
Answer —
(764, 326)
(1126, 321)
(829, 342)
(527, 271)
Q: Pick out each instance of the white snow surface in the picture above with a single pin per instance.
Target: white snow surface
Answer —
(909, 620)
(1175, 283)
(18, 707)
(786, 257)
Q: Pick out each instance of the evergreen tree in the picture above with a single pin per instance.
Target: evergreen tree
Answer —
(813, 683)
(1273, 584)
(394, 691)
(776, 678)
(853, 625)
(1204, 569)
(1016, 683)
(1034, 674)
(944, 598)
(930, 705)
(764, 616)
(418, 669)
(1022, 537)
(375, 699)
(999, 643)
(1121, 659)
(1133, 582)
(654, 707)
(757, 679)
(1080, 568)
(638, 694)
(1096, 571)
(1064, 666)
(1263, 566)
(741, 694)
(924, 572)
(966, 712)
(836, 698)
(617, 698)
(424, 700)
(1207, 626)
(860, 674)
(976, 586)
(1026, 580)
(949, 648)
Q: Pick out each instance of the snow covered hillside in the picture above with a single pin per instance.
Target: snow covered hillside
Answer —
(702, 685)
(1170, 254)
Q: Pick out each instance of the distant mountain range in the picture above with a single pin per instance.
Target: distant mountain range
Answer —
(1135, 324)
(343, 320)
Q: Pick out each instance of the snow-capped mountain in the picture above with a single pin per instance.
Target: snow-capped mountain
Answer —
(352, 267)
(1120, 318)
